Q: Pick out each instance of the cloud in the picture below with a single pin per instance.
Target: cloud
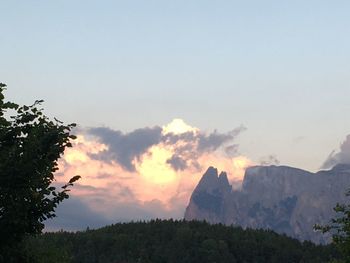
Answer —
(124, 148)
(143, 174)
(299, 139)
(187, 143)
(231, 150)
(341, 157)
(73, 214)
(177, 163)
(215, 140)
(269, 160)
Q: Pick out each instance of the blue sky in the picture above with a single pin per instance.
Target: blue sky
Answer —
(280, 68)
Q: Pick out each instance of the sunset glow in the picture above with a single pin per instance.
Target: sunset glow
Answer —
(154, 178)
(156, 92)
(154, 167)
(178, 126)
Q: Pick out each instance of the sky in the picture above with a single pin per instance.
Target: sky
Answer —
(254, 81)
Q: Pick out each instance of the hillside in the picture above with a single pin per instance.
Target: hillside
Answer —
(173, 241)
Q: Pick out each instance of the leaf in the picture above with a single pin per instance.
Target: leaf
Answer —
(74, 178)
(11, 105)
(39, 101)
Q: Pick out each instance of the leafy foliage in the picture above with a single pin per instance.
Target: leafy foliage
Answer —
(340, 228)
(30, 145)
(168, 241)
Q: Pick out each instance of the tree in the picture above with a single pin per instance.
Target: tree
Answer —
(339, 227)
(30, 146)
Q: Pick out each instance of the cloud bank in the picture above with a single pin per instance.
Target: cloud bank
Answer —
(146, 173)
(341, 157)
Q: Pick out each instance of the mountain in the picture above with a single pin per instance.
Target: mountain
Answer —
(281, 198)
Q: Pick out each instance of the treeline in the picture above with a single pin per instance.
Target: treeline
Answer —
(161, 241)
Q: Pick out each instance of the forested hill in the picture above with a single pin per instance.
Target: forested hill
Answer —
(173, 241)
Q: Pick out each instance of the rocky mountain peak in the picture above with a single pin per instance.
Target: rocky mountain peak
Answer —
(209, 194)
(285, 199)
(212, 182)
(223, 178)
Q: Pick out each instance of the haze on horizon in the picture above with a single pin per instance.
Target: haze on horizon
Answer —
(261, 81)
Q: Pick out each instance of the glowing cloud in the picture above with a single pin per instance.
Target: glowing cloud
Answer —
(152, 169)
(153, 166)
(178, 126)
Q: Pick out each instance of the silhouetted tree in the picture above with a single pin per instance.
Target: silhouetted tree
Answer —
(30, 145)
(339, 227)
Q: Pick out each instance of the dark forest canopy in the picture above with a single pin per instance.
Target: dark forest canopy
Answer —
(174, 241)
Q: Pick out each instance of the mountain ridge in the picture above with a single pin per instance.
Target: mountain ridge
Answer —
(285, 199)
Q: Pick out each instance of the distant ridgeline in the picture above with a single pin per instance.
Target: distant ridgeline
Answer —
(173, 242)
(284, 199)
